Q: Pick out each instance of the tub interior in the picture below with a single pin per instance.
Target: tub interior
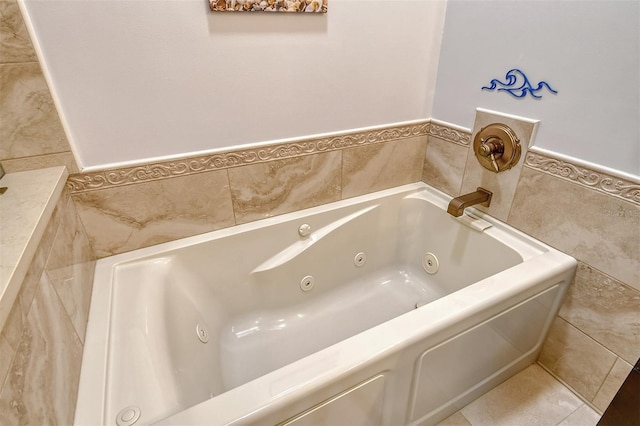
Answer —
(191, 323)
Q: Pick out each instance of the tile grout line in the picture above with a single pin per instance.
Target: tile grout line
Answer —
(571, 389)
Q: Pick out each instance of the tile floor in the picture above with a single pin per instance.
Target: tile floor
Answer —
(531, 397)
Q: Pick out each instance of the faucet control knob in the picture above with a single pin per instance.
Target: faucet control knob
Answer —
(490, 146)
(497, 147)
(493, 148)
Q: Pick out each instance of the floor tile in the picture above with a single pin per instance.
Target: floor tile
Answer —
(532, 397)
(583, 416)
(456, 419)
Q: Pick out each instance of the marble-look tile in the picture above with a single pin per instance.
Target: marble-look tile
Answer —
(15, 43)
(74, 284)
(42, 383)
(531, 397)
(15, 322)
(10, 339)
(606, 310)
(14, 325)
(41, 162)
(29, 201)
(121, 219)
(576, 359)
(597, 229)
(611, 385)
(32, 277)
(6, 357)
(30, 124)
(375, 167)
(444, 165)
(503, 184)
(27, 238)
(267, 189)
(456, 419)
(583, 416)
(70, 269)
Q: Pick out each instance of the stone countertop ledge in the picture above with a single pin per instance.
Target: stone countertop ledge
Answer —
(25, 210)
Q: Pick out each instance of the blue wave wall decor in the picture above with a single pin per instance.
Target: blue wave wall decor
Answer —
(517, 84)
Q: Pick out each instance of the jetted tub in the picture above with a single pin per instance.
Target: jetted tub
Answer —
(381, 309)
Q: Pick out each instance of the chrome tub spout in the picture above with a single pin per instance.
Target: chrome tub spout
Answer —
(458, 204)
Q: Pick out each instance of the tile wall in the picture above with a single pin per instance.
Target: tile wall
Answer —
(41, 343)
(31, 136)
(594, 217)
(140, 206)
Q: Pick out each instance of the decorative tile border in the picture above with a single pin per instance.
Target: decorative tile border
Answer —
(83, 182)
(603, 182)
(608, 184)
(449, 134)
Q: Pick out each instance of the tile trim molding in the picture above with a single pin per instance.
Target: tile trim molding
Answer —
(599, 181)
(450, 134)
(84, 182)
(593, 179)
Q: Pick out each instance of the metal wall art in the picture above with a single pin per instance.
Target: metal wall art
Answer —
(313, 6)
(517, 84)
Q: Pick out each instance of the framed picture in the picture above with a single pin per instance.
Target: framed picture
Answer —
(305, 6)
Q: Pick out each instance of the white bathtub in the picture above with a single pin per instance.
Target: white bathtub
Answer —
(227, 327)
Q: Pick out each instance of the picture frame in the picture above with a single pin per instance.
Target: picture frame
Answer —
(280, 6)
